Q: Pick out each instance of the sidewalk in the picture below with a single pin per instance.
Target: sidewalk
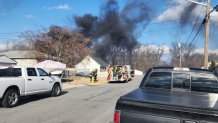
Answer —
(82, 81)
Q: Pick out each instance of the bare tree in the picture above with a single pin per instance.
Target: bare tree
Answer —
(186, 52)
(147, 56)
(16, 44)
(189, 57)
(60, 44)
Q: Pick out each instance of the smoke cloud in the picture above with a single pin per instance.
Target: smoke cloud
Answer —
(86, 23)
(187, 14)
(114, 32)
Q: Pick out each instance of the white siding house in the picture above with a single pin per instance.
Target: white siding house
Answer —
(89, 63)
(6, 62)
(24, 58)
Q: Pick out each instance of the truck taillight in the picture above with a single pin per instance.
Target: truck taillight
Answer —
(117, 116)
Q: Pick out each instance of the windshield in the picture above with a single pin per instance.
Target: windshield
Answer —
(10, 72)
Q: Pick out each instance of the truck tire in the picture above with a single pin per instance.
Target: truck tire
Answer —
(56, 90)
(11, 98)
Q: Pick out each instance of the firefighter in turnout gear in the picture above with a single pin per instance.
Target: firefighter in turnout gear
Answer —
(93, 75)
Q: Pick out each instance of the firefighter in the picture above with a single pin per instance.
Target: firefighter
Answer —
(132, 72)
(95, 74)
(114, 70)
(119, 72)
(123, 70)
(91, 76)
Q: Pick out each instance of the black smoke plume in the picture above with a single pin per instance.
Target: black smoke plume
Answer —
(86, 23)
(114, 32)
(187, 14)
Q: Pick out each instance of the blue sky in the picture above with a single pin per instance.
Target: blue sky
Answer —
(22, 15)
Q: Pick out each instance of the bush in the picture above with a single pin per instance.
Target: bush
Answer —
(212, 66)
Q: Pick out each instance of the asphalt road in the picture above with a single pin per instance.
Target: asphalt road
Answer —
(89, 104)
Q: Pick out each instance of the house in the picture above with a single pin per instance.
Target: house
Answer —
(26, 58)
(89, 63)
(6, 62)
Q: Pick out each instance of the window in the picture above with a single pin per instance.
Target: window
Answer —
(181, 80)
(10, 72)
(159, 80)
(31, 72)
(42, 72)
(204, 83)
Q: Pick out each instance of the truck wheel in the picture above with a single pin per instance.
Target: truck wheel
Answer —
(56, 90)
(10, 99)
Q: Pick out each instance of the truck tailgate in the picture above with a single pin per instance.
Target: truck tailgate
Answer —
(171, 107)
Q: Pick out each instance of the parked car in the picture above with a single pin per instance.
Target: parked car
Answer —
(22, 81)
(171, 95)
(82, 74)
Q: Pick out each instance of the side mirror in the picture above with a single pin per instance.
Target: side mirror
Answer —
(49, 74)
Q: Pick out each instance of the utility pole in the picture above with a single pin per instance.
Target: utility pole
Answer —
(180, 55)
(207, 31)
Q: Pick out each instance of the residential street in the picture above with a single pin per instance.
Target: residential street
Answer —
(89, 104)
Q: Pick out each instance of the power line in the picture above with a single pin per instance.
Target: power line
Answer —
(199, 29)
(194, 26)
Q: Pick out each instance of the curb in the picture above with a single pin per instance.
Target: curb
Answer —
(79, 84)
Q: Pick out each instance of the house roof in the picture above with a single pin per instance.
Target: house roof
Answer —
(5, 59)
(19, 54)
(100, 61)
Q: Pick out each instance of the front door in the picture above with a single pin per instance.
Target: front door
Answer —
(47, 81)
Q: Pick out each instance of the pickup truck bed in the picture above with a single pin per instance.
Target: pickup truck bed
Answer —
(171, 95)
(167, 106)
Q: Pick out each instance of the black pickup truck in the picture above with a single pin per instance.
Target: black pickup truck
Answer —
(171, 95)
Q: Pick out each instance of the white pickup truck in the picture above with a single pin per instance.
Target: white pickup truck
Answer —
(23, 81)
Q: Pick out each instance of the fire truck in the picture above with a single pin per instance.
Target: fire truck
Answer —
(118, 73)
